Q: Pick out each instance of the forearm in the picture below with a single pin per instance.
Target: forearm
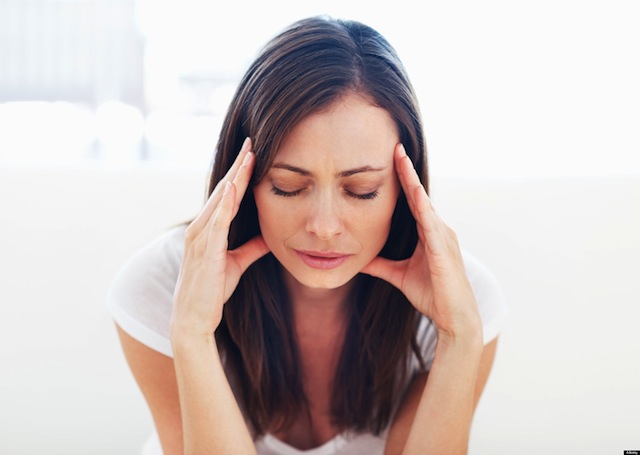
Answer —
(443, 419)
(211, 419)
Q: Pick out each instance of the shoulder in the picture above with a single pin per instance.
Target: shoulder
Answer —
(488, 293)
(140, 298)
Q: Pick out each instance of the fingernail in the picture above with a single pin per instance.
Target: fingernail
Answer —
(403, 152)
(226, 188)
(246, 144)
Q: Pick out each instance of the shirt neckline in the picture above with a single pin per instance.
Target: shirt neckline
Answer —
(331, 446)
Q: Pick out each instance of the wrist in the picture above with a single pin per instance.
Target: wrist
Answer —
(461, 354)
(186, 339)
(467, 337)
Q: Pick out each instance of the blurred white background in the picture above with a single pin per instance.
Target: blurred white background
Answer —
(109, 112)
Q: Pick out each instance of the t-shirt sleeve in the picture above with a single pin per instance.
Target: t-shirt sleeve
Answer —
(140, 298)
(491, 305)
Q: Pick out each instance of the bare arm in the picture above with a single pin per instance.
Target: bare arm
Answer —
(207, 398)
(193, 406)
(211, 418)
(154, 372)
(404, 419)
(434, 280)
(443, 420)
(205, 395)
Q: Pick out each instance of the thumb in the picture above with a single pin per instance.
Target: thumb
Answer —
(250, 252)
(386, 269)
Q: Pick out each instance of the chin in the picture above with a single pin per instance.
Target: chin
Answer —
(323, 280)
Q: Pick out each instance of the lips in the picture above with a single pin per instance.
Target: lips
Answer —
(323, 260)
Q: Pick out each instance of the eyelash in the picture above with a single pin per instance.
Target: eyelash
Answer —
(368, 196)
(278, 192)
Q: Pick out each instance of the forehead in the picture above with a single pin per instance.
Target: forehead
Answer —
(350, 130)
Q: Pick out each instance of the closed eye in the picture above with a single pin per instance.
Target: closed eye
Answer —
(365, 196)
(278, 192)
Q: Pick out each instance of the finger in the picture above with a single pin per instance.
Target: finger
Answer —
(386, 269)
(216, 195)
(431, 228)
(242, 179)
(409, 179)
(411, 185)
(237, 163)
(218, 228)
(214, 199)
(248, 253)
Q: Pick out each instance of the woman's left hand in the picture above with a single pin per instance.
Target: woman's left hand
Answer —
(433, 279)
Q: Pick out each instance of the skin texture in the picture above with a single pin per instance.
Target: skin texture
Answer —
(317, 198)
(318, 211)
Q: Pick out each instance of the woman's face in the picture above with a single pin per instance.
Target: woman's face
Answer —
(325, 205)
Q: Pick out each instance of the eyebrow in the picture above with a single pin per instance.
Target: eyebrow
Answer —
(347, 173)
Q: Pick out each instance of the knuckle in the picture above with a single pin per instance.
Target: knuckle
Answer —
(452, 234)
(454, 237)
(222, 183)
(197, 249)
(191, 233)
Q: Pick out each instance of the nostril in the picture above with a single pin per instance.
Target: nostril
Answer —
(324, 226)
(324, 217)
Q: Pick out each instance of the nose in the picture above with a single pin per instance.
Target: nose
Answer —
(324, 219)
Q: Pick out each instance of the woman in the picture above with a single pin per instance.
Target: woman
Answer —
(317, 304)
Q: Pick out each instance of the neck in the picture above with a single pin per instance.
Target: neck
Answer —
(318, 309)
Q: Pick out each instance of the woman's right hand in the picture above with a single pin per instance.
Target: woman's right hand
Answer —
(210, 272)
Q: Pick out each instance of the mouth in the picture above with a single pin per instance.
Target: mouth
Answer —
(323, 260)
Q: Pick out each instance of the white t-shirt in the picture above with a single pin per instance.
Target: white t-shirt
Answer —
(141, 298)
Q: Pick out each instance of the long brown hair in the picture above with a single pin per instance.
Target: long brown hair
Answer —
(304, 69)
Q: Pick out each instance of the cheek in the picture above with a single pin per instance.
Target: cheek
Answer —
(263, 209)
(373, 225)
(275, 218)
